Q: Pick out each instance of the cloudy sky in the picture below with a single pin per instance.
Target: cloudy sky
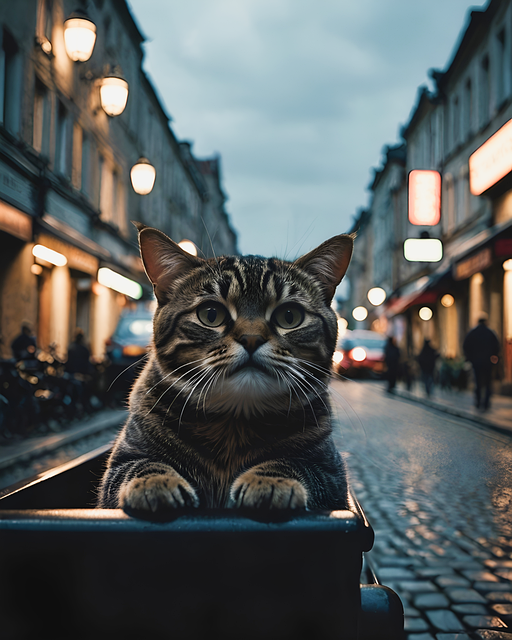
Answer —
(298, 96)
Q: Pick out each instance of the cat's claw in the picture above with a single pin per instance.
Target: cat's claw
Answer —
(157, 493)
(252, 490)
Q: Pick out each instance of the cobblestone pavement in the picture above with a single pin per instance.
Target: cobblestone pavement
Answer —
(438, 492)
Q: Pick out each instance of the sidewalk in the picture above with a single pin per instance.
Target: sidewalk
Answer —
(461, 404)
(30, 448)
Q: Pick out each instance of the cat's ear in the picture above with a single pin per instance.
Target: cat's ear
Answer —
(328, 262)
(164, 261)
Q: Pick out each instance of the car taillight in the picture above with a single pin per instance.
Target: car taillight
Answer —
(358, 354)
(134, 350)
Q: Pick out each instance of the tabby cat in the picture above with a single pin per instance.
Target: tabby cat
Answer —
(232, 408)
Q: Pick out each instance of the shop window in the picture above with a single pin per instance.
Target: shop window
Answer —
(484, 91)
(41, 122)
(10, 83)
(76, 165)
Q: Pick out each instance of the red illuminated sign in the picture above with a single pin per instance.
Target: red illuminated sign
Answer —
(424, 197)
(492, 161)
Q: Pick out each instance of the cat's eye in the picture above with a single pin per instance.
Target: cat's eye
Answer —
(212, 314)
(289, 316)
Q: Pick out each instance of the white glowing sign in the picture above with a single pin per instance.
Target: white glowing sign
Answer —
(492, 161)
(423, 250)
(424, 197)
(117, 282)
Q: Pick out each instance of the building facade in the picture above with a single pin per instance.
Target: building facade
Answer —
(470, 104)
(65, 174)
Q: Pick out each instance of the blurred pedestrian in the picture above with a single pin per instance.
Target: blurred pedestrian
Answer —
(78, 355)
(481, 347)
(427, 362)
(24, 346)
(392, 359)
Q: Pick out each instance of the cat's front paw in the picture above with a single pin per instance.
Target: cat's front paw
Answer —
(254, 490)
(157, 493)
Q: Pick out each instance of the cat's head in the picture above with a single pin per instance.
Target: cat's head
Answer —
(244, 334)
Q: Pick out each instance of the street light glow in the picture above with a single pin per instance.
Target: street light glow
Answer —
(447, 300)
(376, 296)
(143, 176)
(188, 246)
(360, 313)
(113, 95)
(342, 326)
(507, 265)
(358, 354)
(423, 250)
(425, 313)
(79, 37)
(49, 255)
(119, 283)
(424, 197)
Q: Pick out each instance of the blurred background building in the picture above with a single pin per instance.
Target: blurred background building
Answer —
(469, 110)
(67, 148)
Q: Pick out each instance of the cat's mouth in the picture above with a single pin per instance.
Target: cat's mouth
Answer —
(248, 366)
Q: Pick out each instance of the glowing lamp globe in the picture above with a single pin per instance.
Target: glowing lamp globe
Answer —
(360, 313)
(79, 36)
(376, 296)
(425, 313)
(113, 95)
(447, 300)
(143, 176)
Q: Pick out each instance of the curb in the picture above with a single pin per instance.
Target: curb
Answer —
(459, 413)
(52, 442)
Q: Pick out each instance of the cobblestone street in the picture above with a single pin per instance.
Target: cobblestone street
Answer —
(437, 490)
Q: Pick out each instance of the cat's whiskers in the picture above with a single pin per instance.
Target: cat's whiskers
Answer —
(146, 355)
(292, 386)
(189, 396)
(315, 391)
(204, 390)
(175, 382)
(173, 372)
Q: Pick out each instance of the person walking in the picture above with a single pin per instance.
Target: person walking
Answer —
(481, 348)
(427, 362)
(24, 346)
(392, 359)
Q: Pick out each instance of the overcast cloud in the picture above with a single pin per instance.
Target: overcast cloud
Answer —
(298, 97)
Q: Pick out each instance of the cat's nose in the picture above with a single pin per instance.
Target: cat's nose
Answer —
(251, 342)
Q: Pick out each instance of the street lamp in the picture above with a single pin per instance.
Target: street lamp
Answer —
(113, 95)
(447, 300)
(49, 255)
(143, 175)
(360, 313)
(425, 313)
(376, 296)
(79, 36)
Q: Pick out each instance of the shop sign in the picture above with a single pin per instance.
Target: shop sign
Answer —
(424, 197)
(16, 223)
(492, 161)
(77, 259)
(466, 268)
(503, 248)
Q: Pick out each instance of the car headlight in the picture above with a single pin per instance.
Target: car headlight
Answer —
(358, 354)
(337, 357)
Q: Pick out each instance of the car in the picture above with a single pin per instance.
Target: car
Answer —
(126, 349)
(360, 353)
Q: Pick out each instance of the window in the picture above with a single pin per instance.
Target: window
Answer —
(467, 109)
(448, 217)
(85, 180)
(61, 143)
(41, 123)
(44, 24)
(76, 165)
(10, 83)
(484, 92)
(500, 67)
(106, 192)
(455, 124)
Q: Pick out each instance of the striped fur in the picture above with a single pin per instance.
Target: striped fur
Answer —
(236, 414)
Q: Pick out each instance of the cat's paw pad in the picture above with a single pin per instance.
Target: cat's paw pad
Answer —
(157, 492)
(253, 490)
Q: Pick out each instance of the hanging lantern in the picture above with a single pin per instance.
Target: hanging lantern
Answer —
(79, 36)
(113, 95)
(143, 176)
